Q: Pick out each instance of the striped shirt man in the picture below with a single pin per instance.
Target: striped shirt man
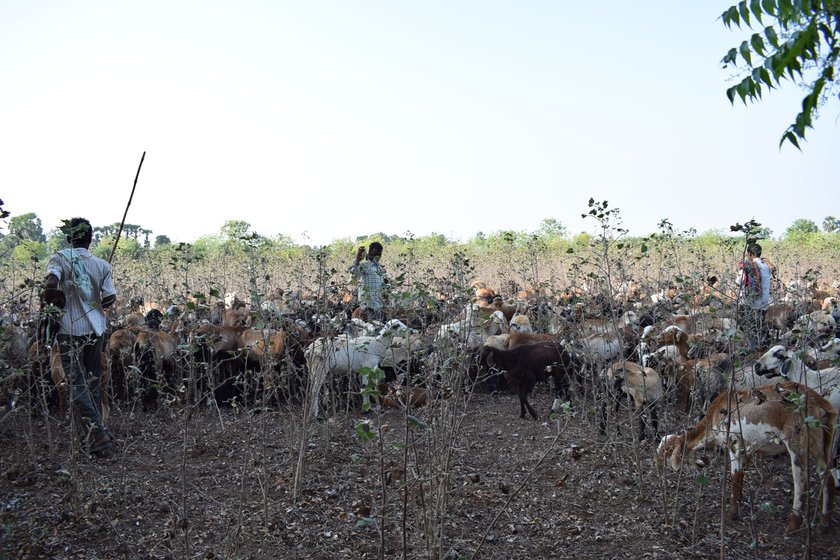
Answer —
(85, 280)
(371, 277)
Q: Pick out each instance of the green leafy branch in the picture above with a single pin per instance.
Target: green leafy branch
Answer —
(804, 35)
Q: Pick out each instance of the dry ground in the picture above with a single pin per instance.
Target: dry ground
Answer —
(224, 490)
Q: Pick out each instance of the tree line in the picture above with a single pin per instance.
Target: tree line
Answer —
(25, 240)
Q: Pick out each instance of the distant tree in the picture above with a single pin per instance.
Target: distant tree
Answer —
(126, 247)
(205, 245)
(28, 251)
(282, 241)
(763, 232)
(234, 230)
(379, 236)
(130, 230)
(435, 239)
(104, 231)
(27, 227)
(56, 240)
(801, 43)
(801, 226)
(831, 224)
(145, 233)
(551, 228)
(162, 240)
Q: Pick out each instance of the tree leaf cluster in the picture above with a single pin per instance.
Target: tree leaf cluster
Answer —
(799, 43)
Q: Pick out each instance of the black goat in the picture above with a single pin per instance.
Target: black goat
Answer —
(525, 365)
(154, 318)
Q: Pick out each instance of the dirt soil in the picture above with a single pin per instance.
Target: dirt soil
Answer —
(223, 489)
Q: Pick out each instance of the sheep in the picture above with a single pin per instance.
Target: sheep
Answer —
(274, 310)
(518, 339)
(218, 350)
(499, 304)
(153, 319)
(473, 326)
(825, 357)
(600, 348)
(264, 350)
(262, 345)
(401, 357)
(643, 347)
(344, 355)
(600, 325)
(359, 327)
(236, 317)
(815, 326)
(829, 305)
(596, 350)
(779, 361)
(768, 419)
(520, 324)
(674, 349)
(779, 317)
(119, 349)
(640, 383)
(628, 292)
(499, 341)
(396, 397)
(47, 360)
(525, 365)
(154, 356)
(133, 320)
(482, 292)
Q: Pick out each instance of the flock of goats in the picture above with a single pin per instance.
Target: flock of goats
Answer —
(688, 348)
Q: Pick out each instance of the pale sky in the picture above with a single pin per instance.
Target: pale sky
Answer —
(324, 120)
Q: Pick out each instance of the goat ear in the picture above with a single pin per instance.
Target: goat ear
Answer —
(676, 455)
(786, 365)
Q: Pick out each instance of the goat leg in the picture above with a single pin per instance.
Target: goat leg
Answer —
(828, 501)
(794, 522)
(737, 489)
(654, 420)
(524, 404)
(602, 420)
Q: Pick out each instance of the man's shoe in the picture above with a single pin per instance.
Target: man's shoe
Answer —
(101, 445)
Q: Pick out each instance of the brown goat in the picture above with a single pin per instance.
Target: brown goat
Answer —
(119, 350)
(154, 355)
(688, 372)
(519, 339)
(768, 419)
(526, 365)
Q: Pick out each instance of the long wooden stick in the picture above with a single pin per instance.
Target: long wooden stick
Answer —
(122, 223)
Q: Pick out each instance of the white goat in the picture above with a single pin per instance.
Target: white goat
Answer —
(642, 384)
(473, 326)
(344, 355)
(826, 354)
(779, 361)
(818, 325)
